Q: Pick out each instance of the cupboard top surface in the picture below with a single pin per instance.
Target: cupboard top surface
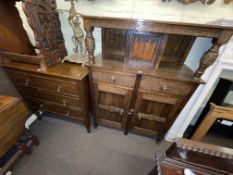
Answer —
(66, 70)
(218, 24)
(165, 70)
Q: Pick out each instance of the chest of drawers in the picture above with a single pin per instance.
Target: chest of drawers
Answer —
(62, 89)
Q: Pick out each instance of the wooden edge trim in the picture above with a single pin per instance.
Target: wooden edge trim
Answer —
(33, 59)
(205, 148)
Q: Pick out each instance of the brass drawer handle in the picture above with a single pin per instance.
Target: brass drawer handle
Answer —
(67, 113)
(164, 88)
(112, 79)
(59, 89)
(112, 109)
(64, 102)
(41, 105)
(27, 82)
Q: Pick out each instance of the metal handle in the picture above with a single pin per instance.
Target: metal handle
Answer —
(164, 88)
(112, 109)
(27, 82)
(41, 105)
(68, 114)
(59, 89)
(112, 79)
(64, 102)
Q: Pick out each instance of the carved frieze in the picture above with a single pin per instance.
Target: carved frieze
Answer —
(202, 1)
(46, 26)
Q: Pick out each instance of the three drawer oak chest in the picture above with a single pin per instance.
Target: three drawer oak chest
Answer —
(62, 89)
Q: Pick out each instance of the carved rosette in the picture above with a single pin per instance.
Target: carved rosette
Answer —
(44, 21)
(192, 1)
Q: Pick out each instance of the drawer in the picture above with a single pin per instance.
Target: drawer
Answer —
(50, 97)
(166, 86)
(122, 79)
(54, 108)
(45, 82)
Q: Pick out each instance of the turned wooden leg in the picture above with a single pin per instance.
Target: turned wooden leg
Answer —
(90, 42)
(207, 59)
(211, 55)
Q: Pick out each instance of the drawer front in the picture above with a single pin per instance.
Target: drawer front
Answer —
(166, 86)
(114, 78)
(54, 108)
(50, 97)
(45, 82)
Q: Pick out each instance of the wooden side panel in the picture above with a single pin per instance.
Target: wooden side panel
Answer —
(177, 48)
(13, 115)
(13, 37)
(113, 42)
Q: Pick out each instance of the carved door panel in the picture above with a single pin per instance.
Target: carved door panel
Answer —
(112, 105)
(154, 113)
(145, 48)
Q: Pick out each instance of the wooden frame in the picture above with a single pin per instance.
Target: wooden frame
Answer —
(216, 112)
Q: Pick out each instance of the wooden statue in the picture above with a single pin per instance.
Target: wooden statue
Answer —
(78, 35)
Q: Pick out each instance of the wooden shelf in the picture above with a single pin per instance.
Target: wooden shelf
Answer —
(165, 70)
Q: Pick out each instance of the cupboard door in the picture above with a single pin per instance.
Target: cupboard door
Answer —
(112, 105)
(154, 113)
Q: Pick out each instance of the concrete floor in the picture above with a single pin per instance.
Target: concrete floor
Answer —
(66, 148)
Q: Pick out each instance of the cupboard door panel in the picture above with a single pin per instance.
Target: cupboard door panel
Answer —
(154, 113)
(112, 105)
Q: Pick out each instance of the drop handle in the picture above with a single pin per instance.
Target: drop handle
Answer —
(164, 88)
(27, 82)
(59, 89)
(64, 102)
(112, 79)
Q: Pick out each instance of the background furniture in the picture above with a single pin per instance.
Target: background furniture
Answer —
(198, 157)
(52, 87)
(215, 113)
(62, 89)
(13, 115)
(139, 83)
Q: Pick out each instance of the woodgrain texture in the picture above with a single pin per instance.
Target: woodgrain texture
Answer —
(13, 115)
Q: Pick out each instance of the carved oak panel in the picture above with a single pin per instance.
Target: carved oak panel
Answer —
(46, 26)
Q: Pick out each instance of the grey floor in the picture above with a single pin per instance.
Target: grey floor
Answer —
(66, 148)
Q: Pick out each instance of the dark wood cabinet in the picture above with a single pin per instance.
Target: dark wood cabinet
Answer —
(62, 89)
